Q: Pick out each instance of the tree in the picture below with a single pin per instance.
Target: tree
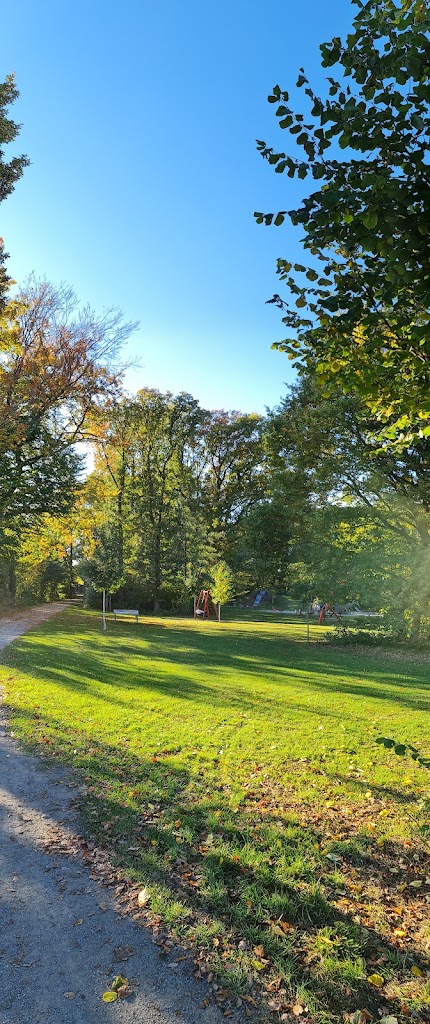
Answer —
(231, 484)
(223, 583)
(104, 570)
(58, 362)
(360, 313)
(265, 546)
(359, 516)
(145, 448)
(10, 171)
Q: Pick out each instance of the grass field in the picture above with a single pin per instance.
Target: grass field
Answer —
(233, 770)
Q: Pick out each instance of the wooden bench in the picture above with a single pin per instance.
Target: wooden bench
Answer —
(125, 611)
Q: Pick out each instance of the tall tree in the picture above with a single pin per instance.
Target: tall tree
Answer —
(233, 452)
(146, 450)
(10, 171)
(360, 312)
(57, 364)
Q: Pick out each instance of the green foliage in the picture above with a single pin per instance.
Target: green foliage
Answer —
(10, 171)
(104, 570)
(222, 589)
(359, 313)
(404, 748)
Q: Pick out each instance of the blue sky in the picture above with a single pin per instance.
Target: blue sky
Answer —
(140, 121)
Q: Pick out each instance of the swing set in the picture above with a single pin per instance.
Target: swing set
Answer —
(327, 609)
(205, 606)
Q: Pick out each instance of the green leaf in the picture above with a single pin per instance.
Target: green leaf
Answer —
(370, 220)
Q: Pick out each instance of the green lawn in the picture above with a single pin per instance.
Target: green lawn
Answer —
(233, 770)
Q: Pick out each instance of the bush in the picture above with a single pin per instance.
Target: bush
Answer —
(381, 636)
(349, 636)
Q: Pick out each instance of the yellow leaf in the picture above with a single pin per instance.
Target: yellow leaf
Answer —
(376, 980)
(417, 972)
(399, 932)
(109, 997)
(143, 897)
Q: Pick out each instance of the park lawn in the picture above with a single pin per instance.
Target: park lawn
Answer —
(232, 770)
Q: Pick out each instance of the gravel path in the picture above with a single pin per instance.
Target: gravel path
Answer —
(18, 623)
(59, 928)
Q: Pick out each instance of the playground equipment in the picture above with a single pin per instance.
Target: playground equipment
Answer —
(259, 597)
(203, 606)
(327, 609)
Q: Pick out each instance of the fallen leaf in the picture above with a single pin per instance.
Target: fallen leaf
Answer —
(69, 995)
(417, 972)
(258, 966)
(143, 897)
(123, 953)
(109, 997)
(298, 1010)
(376, 980)
(389, 1020)
(119, 982)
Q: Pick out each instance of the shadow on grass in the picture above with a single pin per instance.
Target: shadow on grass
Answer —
(191, 661)
(220, 876)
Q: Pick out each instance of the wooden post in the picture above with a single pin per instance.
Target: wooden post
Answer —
(307, 625)
(104, 610)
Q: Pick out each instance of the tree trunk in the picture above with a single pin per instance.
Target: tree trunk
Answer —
(70, 574)
(157, 568)
(12, 582)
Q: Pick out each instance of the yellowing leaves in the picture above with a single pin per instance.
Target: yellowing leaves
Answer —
(376, 980)
(417, 972)
(143, 897)
(109, 997)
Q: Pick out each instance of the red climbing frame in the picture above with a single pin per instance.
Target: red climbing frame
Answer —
(327, 608)
(203, 606)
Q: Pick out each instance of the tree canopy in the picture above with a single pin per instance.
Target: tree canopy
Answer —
(359, 312)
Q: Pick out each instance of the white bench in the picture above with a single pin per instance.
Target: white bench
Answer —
(125, 611)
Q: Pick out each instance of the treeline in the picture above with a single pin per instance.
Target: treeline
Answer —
(302, 500)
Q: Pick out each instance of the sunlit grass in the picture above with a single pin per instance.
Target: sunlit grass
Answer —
(233, 769)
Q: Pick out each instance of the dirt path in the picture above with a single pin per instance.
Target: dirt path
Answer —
(14, 625)
(60, 930)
